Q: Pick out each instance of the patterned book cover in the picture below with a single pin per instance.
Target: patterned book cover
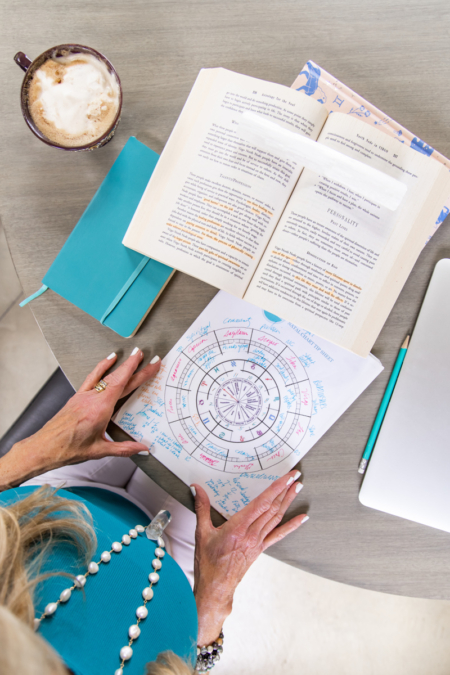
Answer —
(337, 97)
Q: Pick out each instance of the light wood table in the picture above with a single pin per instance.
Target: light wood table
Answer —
(391, 52)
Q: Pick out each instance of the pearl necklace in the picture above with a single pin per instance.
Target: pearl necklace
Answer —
(134, 630)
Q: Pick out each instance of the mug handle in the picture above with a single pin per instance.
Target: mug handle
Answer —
(22, 60)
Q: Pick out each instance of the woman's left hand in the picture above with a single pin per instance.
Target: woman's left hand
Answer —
(77, 432)
(224, 554)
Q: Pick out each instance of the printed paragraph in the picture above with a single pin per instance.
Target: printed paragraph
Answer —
(310, 286)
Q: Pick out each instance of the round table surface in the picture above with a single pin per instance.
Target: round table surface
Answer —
(390, 52)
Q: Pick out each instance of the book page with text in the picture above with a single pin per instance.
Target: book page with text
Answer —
(214, 199)
(333, 249)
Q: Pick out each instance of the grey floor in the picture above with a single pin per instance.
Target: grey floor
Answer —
(284, 620)
(26, 361)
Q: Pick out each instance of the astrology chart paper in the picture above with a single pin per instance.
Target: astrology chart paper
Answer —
(241, 398)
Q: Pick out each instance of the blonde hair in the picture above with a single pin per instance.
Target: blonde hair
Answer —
(168, 663)
(24, 652)
(29, 528)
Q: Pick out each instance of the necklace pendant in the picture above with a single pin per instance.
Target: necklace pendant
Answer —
(158, 525)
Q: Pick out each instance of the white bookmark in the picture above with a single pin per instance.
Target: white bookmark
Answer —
(359, 177)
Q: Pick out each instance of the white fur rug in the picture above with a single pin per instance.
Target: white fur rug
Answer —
(286, 621)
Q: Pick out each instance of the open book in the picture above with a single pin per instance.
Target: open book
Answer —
(252, 222)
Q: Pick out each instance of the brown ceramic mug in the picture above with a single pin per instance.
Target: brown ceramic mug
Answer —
(30, 67)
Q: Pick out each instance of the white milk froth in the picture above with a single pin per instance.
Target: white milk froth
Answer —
(74, 99)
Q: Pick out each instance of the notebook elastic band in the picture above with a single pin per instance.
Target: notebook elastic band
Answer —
(42, 289)
(124, 288)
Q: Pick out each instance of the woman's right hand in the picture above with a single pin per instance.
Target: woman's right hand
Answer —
(78, 431)
(224, 554)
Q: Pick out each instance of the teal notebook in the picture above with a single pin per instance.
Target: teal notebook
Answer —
(94, 270)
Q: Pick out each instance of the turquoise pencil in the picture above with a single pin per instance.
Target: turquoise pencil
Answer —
(383, 407)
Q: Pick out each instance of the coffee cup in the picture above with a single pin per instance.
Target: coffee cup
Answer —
(71, 97)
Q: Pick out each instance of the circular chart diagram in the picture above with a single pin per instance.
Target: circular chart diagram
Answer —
(238, 400)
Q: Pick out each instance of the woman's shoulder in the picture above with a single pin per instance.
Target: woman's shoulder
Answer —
(99, 616)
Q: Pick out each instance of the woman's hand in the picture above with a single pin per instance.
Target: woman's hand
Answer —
(224, 554)
(77, 432)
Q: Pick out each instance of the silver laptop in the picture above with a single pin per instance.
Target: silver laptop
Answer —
(409, 471)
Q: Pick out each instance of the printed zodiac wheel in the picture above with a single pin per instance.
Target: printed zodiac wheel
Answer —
(238, 400)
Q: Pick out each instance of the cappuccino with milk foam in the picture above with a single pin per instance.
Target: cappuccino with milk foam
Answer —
(73, 99)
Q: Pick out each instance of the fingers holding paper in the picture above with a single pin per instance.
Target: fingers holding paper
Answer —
(119, 383)
(224, 554)
(78, 431)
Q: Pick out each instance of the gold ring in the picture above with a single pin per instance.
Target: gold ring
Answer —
(101, 386)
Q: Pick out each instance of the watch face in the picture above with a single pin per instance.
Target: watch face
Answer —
(238, 402)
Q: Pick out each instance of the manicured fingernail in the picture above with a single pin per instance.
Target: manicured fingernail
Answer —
(290, 481)
(193, 490)
(111, 356)
(305, 519)
(297, 475)
(144, 452)
(155, 359)
(135, 351)
(298, 487)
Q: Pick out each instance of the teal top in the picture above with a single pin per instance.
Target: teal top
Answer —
(91, 628)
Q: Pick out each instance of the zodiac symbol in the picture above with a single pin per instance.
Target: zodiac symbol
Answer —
(422, 147)
(312, 73)
(443, 215)
(360, 112)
